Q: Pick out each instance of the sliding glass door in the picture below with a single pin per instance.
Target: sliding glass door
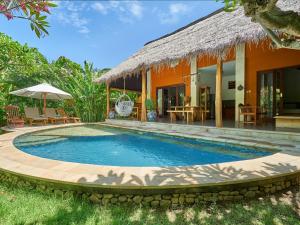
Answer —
(270, 87)
(168, 97)
(172, 98)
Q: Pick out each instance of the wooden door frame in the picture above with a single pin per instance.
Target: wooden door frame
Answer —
(259, 74)
(273, 70)
(167, 87)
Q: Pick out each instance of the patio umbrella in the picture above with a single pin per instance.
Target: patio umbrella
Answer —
(43, 91)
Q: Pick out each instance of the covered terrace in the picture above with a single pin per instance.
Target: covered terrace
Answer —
(223, 52)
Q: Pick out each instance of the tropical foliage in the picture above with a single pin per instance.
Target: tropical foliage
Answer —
(22, 66)
(35, 11)
(150, 105)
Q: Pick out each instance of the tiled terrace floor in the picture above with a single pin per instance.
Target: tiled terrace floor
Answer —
(269, 126)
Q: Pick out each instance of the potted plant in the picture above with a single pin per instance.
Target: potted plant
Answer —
(151, 110)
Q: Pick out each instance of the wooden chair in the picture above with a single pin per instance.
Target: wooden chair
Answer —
(201, 114)
(13, 116)
(33, 116)
(139, 109)
(135, 113)
(249, 113)
(61, 112)
(53, 117)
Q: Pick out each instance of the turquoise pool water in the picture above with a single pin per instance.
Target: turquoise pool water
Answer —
(116, 147)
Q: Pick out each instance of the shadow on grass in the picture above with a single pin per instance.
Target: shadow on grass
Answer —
(74, 213)
(253, 212)
(274, 210)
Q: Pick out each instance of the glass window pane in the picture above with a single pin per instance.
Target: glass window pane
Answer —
(181, 95)
(172, 96)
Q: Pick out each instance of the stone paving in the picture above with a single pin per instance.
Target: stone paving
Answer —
(156, 186)
(274, 140)
(285, 162)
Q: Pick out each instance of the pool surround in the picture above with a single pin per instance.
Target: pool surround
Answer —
(242, 179)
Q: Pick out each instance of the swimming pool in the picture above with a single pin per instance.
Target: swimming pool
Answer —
(100, 145)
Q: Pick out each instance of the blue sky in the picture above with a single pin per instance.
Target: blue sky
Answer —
(107, 32)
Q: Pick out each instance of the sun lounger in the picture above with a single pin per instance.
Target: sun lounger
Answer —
(72, 119)
(33, 116)
(53, 117)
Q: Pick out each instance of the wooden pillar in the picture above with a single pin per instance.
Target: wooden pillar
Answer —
(218, 100)
(45, 103)
(144, 95)
(107, 100)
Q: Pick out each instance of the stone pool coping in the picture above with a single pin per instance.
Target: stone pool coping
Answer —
(16, 162)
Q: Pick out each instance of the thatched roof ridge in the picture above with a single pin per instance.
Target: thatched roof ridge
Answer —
(213, 36)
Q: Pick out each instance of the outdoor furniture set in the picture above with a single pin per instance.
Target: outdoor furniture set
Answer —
(189, 113)
(32, 116)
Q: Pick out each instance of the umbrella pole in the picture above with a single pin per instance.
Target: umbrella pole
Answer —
(45, 94)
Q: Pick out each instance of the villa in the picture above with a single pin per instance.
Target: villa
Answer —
(223, 62)
(177, 144)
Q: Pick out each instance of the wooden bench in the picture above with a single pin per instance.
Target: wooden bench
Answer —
(287, 121)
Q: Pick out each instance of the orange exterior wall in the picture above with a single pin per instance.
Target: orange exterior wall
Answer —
(258, 58)
(261, 58)
(164, 75)
(206, 60)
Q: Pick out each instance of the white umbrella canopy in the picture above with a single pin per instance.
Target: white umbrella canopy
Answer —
(39, 92)
(43, 91)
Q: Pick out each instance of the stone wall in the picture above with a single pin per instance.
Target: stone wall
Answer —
(175, 197)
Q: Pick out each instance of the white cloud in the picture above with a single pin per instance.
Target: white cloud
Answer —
(98, 6)
(114, 3)
(126, 11)
(76, 6)
(178, 8)
(73, 13)
(84, 30)
(70, 14)
(175, 11)
(136, 9)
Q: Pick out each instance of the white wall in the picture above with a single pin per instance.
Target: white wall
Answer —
(210, 80)
(194, 82)
(228, 94)
(240, 62)
(148, 84)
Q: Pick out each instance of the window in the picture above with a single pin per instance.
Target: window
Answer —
(231, 84)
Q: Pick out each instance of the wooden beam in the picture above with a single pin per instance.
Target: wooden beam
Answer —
(218, 100)
(107, 100)
(144, 95)
(119, 89)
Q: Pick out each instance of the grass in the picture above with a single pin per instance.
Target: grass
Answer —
(23, 206)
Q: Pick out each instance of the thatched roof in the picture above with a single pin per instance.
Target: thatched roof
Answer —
(210, 35)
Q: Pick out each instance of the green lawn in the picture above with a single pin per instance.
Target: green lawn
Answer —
(23, 206)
